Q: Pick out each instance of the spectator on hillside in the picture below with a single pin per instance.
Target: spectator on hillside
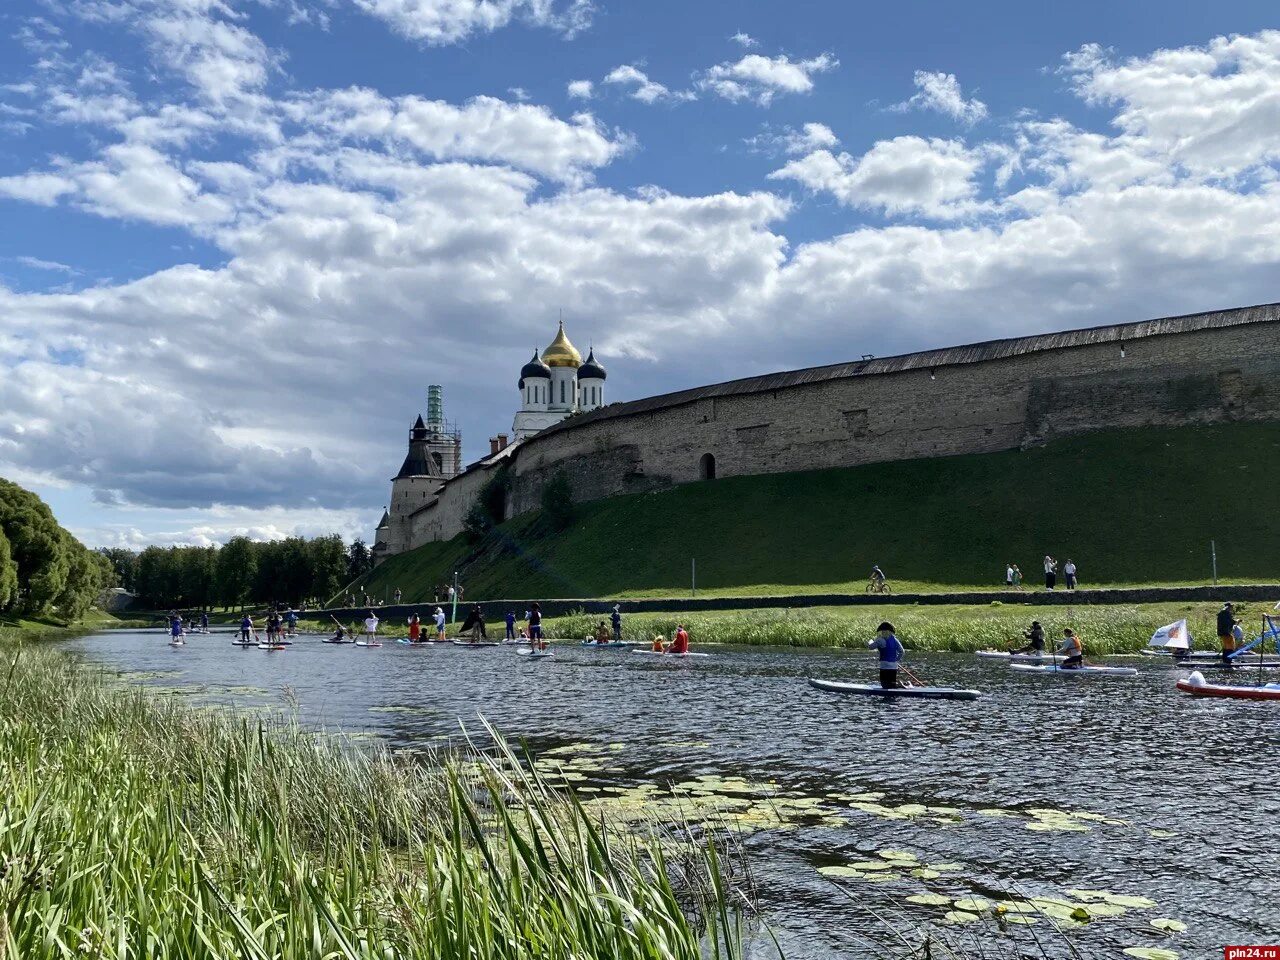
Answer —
(1070, 571)
(449, 594)
(1008, 576)
(397, 594)
(461, 592)
(1050, 572)
(1017, 577)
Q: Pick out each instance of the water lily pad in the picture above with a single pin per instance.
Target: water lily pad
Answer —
(912, 809)
(1161, 834)
(945, 867)
(1063, 912)
(973, 905)
(872, 865)
(1123, 900)
(1107, 910)
(839, 871)
(960, 916)
(897, 855)
(923, 873)
(1014, 906)
(1022, 919)
(1171, 926)
(1150, 953)
(1090, 896)
(929, 899)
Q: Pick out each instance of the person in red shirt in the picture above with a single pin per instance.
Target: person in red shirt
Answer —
(680, 644)
(415, 628)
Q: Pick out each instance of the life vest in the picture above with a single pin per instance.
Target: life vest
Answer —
(892, 650)
(1073, 645)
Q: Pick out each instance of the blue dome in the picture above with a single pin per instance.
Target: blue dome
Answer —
(534, 368)
(591, 370)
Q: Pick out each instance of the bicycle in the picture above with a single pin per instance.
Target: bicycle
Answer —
(878, 586)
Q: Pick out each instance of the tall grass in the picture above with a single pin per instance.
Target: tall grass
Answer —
(962, 629)
(137, 827)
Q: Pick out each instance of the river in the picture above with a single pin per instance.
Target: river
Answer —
(1045, 785)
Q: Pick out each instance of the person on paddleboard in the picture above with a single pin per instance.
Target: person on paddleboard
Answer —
(291, 618)
(246, 628)
(680, 642)
(175, 627)
(204, 622)
(340, 636)
(415, 629)
(615, 619)
(535, 626)
(891, 651)
(1034, 635)
(511, 625)
(439, 618)
(602, 635)
(371, 628)
(1072, 650)
(659, 644)
(1226, 632)
(475, 623)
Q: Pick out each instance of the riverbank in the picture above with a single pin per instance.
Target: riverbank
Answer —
(958, 628)
(261, 840)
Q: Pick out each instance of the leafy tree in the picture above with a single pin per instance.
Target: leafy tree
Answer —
(328, 564)
(87, 574)
(359, 562)
(235, 571)
(557, 502)
(8, 574)
(37, 546)
(490, 506)
(125, 564)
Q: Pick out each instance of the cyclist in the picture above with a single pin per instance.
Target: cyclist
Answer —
(877, 578)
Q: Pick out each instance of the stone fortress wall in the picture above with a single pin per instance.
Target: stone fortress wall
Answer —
(1204, 368)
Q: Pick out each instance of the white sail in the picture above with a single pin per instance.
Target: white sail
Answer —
(1174, 636)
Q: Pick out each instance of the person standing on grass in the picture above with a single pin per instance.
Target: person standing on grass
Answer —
(1008, 576)
(891, 651)
(1050, 572)
(398, 594)
(1017, 577)
(1070, 571)
(616, 619)
(439, 618)
(511, 625)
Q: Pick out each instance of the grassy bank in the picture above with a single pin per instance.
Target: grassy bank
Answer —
(134, 826)
(942, 627)
(1131, 507)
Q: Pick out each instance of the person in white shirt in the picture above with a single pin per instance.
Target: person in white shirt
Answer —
(1050, 572)
(371, 628)
(439, 617)
(1008, 576)
(1070, 571)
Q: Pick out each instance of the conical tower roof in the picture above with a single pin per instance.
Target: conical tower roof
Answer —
(561, 353)
(418, 462)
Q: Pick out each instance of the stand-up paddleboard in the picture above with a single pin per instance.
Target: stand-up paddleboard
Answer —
(244, 643)
(610, 645)
(1006, 657)
(413, 643)
(1197, 657)
(534, 654)
(1197, 686)
(271, 646)
(477, 643)
(1091, 670)
(674, 656)
(875, 690)
(177, 643)
(368, 643)
(337, 642)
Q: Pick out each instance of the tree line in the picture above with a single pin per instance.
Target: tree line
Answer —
(293, 571)
(44, 570)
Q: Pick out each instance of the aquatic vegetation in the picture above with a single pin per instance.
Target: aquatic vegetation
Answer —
(1169, 926)
(1151, 953)
(260, 840)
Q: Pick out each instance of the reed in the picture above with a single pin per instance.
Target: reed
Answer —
(134, 826)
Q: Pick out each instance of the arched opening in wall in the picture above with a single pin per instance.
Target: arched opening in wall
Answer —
(707, 467)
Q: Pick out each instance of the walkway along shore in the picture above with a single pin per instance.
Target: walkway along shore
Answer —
(495, 609)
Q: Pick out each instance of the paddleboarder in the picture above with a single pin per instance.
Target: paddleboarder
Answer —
(246, 628)
(680, 642)
(1034, 636)
(439, 618)
(175, 628)
(1226, 633)
(291, 618)
(415, 629)
(659, 644)
(891, 651)
(475, 623)
(511, 625)
(535, 626)
(602, 635)
(204, 622)
(1072, 650)
(616, 619)
(371, 628)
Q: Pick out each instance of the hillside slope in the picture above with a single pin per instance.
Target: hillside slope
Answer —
(1133, 506)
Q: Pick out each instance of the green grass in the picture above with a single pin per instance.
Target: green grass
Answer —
(1132, 507)
(133, 826)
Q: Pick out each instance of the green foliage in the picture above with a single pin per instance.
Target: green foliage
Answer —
(359, 562)
(235, 571)
(328, 566)
(490, 506)
(262, 841)
(557, 503)
(124, 564)
(44, 569)
(1107, 500)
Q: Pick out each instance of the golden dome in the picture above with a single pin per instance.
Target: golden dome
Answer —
(561, 353)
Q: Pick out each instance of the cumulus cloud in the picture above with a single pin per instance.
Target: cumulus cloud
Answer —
(941, 92)
(760, 79)
(449, 21)
(641, 87)
(745, 40)
(905, 175)
(788, 140)
(580, 89)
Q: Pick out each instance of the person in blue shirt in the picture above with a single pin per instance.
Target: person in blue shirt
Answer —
(616, 619)
(291, 618)
(246, 628)
(511, 624)
(204, 622)
(175, 626)
(891, 650)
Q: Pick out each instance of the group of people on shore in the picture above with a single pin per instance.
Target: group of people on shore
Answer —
(1013, 574)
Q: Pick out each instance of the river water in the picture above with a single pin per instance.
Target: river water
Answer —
(1045, 785)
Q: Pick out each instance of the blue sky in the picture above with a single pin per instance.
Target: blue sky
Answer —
(241, 236)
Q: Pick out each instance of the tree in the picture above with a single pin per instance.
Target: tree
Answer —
(8, 574)
(87, 574)
(358, 560)
(328, 564)
(125, 564)
(36, 545)
(557, 502)
(235, 571)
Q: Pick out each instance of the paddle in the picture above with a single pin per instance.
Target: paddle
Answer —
(918, 682)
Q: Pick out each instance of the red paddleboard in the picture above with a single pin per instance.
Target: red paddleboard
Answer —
(1197, 687)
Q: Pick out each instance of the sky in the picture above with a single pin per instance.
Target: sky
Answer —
(239, 238)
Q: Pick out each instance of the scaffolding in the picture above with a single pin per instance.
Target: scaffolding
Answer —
(444, 439)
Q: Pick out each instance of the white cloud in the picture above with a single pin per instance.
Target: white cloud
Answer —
(641, 87)
(760, 79)
(449, 21)
(788, 140)
(1213, 109)
(42, 188)
(35, 263)
(581, 89)
(905, 175)
(941, 92)
(745, 40)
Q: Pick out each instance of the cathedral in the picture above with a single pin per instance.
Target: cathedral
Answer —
(556, 385)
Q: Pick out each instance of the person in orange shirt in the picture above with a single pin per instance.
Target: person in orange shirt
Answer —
(659, 644)
(681, 642)
(415, 629)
